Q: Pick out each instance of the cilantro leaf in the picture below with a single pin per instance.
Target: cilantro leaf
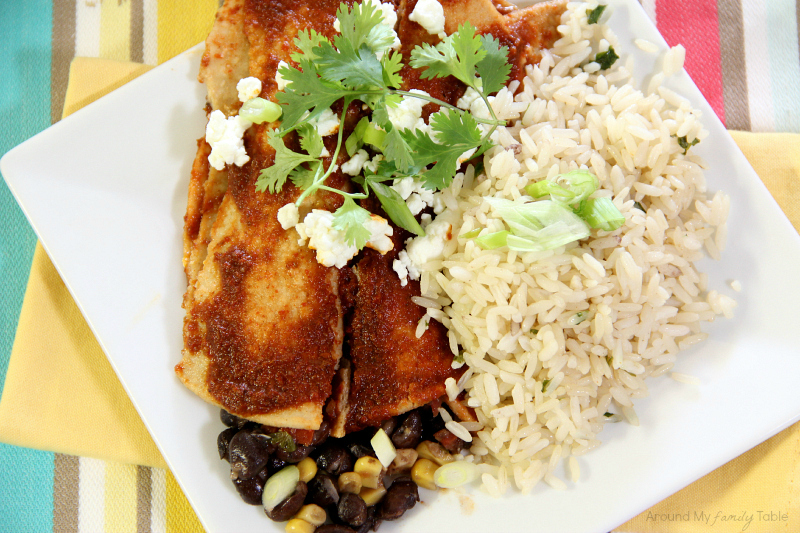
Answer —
(310, 140)
(362, 25)
(396, 149)
(349, 66)
(392, 64)
(395, 207)
(456, 133)
(272, 178)
(304, 178)
(351, 219)
(457, 55)
(306, 41)
(595, 14)
(607, 58)
(494, 68)
(684, 143)
(307, 92)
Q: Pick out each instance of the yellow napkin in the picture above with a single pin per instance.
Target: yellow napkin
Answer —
(62, 395)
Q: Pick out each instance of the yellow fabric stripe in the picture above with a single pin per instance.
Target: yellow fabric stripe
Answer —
(193, 17)
(180, 516)
(120, 508)
(115, 30)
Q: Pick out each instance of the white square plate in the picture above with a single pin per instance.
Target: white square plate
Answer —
(105, 190)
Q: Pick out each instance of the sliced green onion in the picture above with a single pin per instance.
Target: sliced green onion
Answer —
(581, 182)
(493, 240)
(545, 384)
(569, 188)
(470, 234)
(383, 447)
(279, 486)
(547, 187)
(601, 213)
(539, 226)
(356, 139)
(455, 474)
(258, 110)
(374, 135)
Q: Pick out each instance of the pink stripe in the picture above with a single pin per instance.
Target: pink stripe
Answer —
(694, 24)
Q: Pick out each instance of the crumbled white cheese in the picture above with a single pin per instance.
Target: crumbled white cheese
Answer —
(327, 123)
(406, 115)
(469, 96)
(415, 194)
(430, 15)
(421, 250)
(372, 165)
(402, 265)
(330, 243)
(282, 83)
(288, 216)
(356, 163)
(248, 88)
(224, 135)
(380, 234)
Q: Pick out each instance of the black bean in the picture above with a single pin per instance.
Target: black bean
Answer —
(322, 490)
(409, 433)
(275, 464)
(360, 450)
(223, 440)
(389, 425)
(352, 509)
(400, 497)
(322, 433)
(289, 506)
(247, 454)
(251, 489)
(334, 528)
(232, 421)
(372, 521)
(335, 460)
(300, 453)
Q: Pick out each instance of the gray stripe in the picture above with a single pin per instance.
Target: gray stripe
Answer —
(143, 499)
(137, 31)
(797, 11)
(66, 473)
(734, 70)
(63, 50)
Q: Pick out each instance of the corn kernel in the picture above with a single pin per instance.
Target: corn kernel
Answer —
(422, 473)
(313, 514)
(368, 465)
(370, 481)
(433, 451)
(308, 469)
(350, 482)
(296, 525)
(405, 459)
(372, 496)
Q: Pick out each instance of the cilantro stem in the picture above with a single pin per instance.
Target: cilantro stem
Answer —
(353, 195)
(319, 181)
(493, 122)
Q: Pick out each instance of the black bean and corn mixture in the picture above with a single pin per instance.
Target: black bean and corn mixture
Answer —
(336, 485)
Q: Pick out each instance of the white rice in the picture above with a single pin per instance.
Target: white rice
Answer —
(542, 380)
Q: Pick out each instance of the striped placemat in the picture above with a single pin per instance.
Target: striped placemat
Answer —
(744, 56)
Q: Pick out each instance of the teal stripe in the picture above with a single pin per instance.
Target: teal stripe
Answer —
(25, 37)
(26, 476)
(784, 66)
(26, 490)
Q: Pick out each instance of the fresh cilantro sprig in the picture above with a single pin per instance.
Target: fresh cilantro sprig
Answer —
(360, 65)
